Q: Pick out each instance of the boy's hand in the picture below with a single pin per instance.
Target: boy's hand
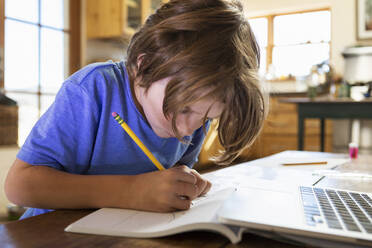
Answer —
(167, 190)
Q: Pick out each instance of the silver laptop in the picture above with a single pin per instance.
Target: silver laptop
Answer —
(304, 213)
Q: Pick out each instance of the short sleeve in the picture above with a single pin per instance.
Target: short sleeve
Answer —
(64, 136)
(191, 155)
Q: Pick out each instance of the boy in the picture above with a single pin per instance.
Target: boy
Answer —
(192, 61)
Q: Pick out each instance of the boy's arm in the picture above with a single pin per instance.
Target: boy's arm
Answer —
(45, 187)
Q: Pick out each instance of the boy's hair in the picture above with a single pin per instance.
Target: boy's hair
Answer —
(203, 46)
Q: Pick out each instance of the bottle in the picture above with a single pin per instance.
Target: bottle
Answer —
(313, 82)
(344, 90)
(353, 150)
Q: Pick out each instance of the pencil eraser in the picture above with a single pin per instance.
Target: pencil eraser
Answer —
(114, 114)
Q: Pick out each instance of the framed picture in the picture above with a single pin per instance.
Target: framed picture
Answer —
(364, 19)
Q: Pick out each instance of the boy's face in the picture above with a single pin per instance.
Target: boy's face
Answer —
(187, 121)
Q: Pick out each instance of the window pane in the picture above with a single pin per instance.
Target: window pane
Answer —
(26, 10)
(263, 61)
(45, 102)
(302, 28)
(52, 60)
(27, 114)
(297, 60)
(259, 27)
(53, 13)
(21, 56)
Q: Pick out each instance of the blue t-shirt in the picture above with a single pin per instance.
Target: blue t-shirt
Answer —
(78, 134)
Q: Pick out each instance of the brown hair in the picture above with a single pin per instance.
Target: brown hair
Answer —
(203, 46)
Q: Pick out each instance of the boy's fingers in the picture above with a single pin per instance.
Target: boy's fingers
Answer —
(188, 190)
(181, 203)
(207, 188)
(201, 182)
(201, 186)
(185, 176)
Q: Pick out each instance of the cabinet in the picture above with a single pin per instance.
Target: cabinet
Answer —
(116, 18)
(8, 124)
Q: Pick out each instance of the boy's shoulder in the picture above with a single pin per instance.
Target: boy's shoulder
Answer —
(97, 70)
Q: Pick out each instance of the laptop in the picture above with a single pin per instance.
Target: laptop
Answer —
(310, 214)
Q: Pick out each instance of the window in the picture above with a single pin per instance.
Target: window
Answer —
(260, 30)
(293, 42)
(36, 57)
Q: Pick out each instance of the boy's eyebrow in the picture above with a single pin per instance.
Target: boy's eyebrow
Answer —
(193, 110)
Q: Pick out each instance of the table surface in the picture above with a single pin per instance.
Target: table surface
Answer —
(47, 230)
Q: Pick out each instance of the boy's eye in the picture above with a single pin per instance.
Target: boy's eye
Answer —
(185, 110)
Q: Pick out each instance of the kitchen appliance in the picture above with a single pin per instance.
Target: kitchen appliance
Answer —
(358, 64)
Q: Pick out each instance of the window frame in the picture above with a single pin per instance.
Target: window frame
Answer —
(270, 30)
(74, 32)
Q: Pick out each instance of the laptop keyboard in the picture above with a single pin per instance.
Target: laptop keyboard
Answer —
(339, 209)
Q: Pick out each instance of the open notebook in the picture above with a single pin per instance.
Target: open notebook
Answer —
(141, 224)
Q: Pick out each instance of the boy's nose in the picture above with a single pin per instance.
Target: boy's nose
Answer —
(191, 127)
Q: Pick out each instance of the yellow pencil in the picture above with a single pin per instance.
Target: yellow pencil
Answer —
(137, 140)
(305, 163)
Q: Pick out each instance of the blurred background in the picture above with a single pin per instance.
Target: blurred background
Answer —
(304, 45)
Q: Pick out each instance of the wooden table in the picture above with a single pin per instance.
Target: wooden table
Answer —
(327, 107)
(47, 230)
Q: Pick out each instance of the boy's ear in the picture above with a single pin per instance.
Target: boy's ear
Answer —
(140, 59)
